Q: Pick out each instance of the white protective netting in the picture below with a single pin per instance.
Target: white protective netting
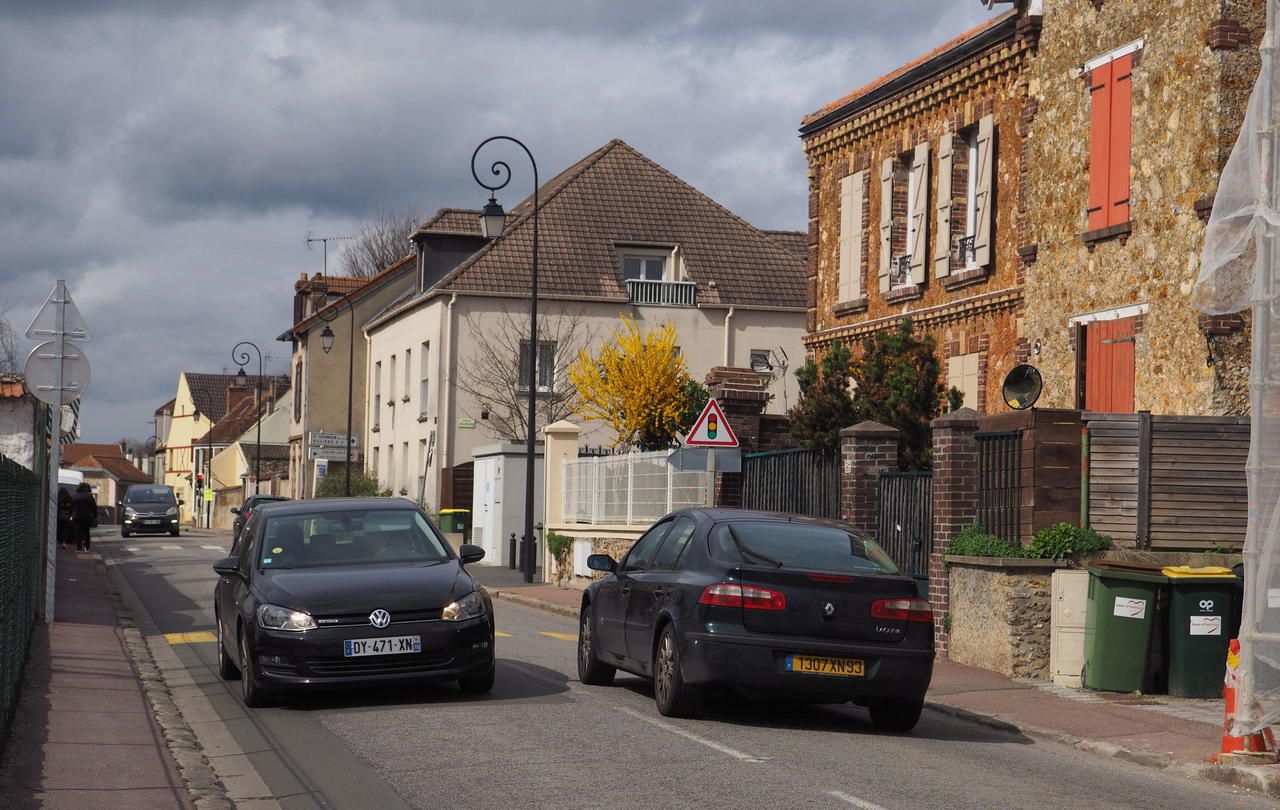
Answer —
(1240, 270)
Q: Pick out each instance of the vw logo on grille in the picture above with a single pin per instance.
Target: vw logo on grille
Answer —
(829, 610)
(379, 618)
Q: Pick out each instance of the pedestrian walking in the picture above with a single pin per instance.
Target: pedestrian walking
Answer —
(84, 514)
(64, 517)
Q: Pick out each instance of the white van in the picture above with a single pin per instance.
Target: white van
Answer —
(70, 479)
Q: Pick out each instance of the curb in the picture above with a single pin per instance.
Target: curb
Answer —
(533, 602)
(1261, 779)
(206, 791)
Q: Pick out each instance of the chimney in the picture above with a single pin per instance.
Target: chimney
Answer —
(238, 393)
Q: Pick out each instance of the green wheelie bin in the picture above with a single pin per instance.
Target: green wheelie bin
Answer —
(454, 520)
(1119, 624)
(1201, 609)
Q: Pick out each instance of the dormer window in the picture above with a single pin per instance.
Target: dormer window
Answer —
(654, 275)
(644, 268)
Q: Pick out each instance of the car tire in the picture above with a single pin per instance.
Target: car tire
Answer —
(478, 684)
(227, 669)
(895, 715)
(253, 695)
(674, 697)
(591, 670)
(174, 532)
(124, 532)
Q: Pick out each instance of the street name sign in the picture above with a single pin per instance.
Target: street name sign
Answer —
(322, 439)
(711, 429)
(328, 453)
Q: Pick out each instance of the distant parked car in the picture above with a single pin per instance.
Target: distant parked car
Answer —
(149, 509)
(765, 604)
(242, 513)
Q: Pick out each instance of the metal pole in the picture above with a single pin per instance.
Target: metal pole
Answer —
(55, 456)
(351, 381)
(257, 450)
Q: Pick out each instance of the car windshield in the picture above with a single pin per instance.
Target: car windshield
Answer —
(353, 537)
(145, 494)
(806, 546)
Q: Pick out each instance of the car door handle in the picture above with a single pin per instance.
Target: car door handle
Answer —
(626, 589)
(659, 591)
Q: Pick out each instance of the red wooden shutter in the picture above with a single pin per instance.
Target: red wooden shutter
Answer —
(1100, 146)
(1109, 366)
(1121, 131)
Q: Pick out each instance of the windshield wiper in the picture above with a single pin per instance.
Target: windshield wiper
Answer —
(745, 552)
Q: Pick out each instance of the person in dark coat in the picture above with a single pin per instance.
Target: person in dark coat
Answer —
(64, 517)
(84, 510)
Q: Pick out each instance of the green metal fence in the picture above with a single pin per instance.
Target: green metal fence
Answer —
(20, 513)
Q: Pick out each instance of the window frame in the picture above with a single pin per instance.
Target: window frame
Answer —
(688, 541)
(377, 395)
(661, 530)
(424, 378)
(549, 363)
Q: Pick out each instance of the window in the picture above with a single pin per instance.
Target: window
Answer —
(1110, 90)
(408, 371)
(962, 373)
(681, 533)
(852, 227)
(391, 382)
(377, 394)
(801, 545)
(546, 366)
(642, 552)
(373, 464)
(297, 392)
(352, 537)
(404, 466)
(647, 268)
(963, 229)
(424, 391)
(391, 466)
(904, 193)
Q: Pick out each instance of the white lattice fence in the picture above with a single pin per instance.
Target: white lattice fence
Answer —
(630, 490)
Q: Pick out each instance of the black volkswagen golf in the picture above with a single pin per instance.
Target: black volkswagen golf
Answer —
(765, 604)
(345, 591)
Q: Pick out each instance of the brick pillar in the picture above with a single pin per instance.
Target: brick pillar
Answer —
(743, 398)
(866, 450)
(955, 503)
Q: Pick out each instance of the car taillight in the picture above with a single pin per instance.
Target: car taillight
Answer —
(731, 594)
(902, 610)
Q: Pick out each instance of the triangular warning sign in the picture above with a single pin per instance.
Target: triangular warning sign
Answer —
(45, 325)
(711, 429)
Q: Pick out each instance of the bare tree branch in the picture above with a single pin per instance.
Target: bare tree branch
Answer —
(10, 343)
(380, 243)
(491, 375)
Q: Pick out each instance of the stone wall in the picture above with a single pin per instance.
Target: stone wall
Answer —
(1190, 85)
(1000, 615)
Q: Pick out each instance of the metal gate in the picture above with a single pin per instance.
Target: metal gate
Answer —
(904, 519)
(802, 481)
(1000, 483)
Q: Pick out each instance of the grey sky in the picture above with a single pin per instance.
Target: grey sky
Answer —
(168, 158)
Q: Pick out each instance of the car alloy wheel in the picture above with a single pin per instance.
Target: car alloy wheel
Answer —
(674, 697)
(591, 670)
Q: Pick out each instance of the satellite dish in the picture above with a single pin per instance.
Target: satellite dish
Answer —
(1022, 387)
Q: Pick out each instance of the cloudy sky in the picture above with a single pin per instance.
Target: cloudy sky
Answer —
(168, 158)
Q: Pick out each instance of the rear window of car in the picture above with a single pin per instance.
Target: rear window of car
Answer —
(351, 537)
(806, 546)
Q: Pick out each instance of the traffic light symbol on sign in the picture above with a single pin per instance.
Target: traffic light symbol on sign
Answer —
(712, 424)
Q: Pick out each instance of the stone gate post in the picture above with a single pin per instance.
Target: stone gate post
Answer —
(866, 450)
(955, 503)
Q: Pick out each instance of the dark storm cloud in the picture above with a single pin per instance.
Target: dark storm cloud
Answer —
(167, 158)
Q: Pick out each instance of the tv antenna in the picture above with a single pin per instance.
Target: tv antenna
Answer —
(325, 240)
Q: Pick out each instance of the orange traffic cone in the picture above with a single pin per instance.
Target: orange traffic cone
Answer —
(1258, 747)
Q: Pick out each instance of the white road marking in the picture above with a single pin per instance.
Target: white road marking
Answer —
(133, 548)
(688, 735)
(171, 548)
(212, 548)
(862, 804)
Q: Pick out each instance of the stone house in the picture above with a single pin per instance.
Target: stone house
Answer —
(1131, 112)
(913, 190)
(619, 236)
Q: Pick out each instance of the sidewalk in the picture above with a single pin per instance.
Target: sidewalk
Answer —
(85, 734)
(1147, 730)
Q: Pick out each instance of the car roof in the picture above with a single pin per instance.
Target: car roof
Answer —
(719, 514)
(312, 506)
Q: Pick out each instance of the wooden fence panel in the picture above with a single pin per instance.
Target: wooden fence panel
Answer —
(1113, 475)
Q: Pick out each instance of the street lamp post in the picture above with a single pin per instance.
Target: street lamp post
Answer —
(208, 474)
(240, 356)
(326, 343)
(492, 222)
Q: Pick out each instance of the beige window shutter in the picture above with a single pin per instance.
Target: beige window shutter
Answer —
(919, 214)
(886, 221)
(844, 291)
(983, 216)
(942, 230)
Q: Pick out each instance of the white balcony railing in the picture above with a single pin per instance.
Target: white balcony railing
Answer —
(631, 490)
(661, 293)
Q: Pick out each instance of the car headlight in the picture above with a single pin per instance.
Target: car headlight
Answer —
(274, 617)
(172, 510)
(129, 511)
(470, 606)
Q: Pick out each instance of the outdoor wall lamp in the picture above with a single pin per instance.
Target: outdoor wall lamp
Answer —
(326, 339)
(493, 220)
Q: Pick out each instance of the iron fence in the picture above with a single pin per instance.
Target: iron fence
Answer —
(1000, 483)
(20, 514)
(904, 519)
(629, 490)
(802, 482)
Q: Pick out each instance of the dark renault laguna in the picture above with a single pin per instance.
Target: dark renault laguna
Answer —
(765, 604)
(349, 591)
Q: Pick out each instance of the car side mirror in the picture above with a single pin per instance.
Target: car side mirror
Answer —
(181, 502)
(469, 553)
(602, 562)
(235, 510)
(227, 567)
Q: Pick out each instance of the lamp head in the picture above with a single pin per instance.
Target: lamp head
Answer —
(326, 339)
(493, 219)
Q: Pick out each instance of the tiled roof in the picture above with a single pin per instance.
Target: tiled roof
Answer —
(12, 386)
(232, 424)
(209, 391)
(344, 284)
(615, 197)
(270, 452)
(909, 66)
(454, 221)
(365, 286)
(121, 469)
(167, 407)
(72, 453)
(795, 241)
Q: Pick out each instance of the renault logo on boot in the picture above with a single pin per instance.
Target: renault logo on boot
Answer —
(828, 610)
(379, 618)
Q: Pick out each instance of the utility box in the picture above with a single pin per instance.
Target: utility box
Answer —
(1066, 626)
(497, 500)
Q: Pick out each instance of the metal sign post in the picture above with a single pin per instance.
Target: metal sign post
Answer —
(57, 372)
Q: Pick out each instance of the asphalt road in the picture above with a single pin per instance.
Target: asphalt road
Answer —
(542, 739)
